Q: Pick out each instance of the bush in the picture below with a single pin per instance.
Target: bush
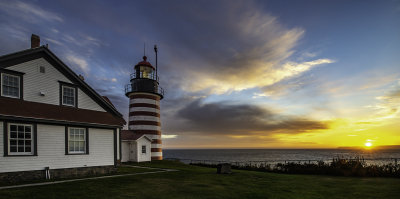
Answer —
(338, 167)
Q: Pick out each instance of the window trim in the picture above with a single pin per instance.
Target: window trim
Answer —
(62, 84)
(63, 87)
(145, 149)
(67, 131)
(21, 82)
(6, 139)
(40, 69)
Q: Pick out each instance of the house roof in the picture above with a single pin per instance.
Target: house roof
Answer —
(44, 52)
(108, 100)
(132, 135)
(11, 107)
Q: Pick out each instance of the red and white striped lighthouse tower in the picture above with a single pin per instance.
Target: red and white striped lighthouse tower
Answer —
(144, 95)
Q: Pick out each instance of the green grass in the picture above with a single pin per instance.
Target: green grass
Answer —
(127, 170)
(121, 170)
(199, 182)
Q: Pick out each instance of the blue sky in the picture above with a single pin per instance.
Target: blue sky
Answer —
(237, 74)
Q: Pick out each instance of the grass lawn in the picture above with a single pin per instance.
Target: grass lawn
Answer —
(121, 170)
(199, 182)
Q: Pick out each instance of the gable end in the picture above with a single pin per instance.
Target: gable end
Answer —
(43, 52)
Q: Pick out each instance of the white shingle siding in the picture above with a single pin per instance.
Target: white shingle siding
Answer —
(51, 151)
(36, 82)
(118, 143)
(132, 150)
(143, 157)
(125, 149)
(85, 102)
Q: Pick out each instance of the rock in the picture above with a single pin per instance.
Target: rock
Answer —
(224, 168)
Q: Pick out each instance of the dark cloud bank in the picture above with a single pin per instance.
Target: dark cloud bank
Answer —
(232, 119)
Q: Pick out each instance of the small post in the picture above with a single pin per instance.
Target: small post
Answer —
(156, 51)
(47, 170)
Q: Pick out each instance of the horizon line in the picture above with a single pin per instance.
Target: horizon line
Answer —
(339, 147)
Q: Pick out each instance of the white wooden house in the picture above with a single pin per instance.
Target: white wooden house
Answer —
(135, 147)
(51, 119)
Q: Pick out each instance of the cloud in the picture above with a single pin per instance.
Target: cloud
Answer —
(54, 30)
(93, 40)
(169, 136)
(389, 106)
(29, 12)
(81, 40)
(15, 31)
(386, 110)
(224, 118)
(237, 47)
(105, 79)
(54, 41)
(78, 61)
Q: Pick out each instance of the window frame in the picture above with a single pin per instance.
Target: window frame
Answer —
(15, 74)
(40, 69)
(145, 149)
(7, 137)
(67, 140)
(73, 86)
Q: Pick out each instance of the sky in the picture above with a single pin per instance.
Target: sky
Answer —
(236, 74)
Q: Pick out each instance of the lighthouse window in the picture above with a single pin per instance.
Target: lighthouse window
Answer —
(146, 72)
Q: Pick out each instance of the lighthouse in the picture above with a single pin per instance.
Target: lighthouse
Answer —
(144, 95)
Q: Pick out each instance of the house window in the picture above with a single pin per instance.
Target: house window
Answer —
(10, 85)
(68, 96)
(77, 141)
(42, 69)
(143, 148)
(20, 139)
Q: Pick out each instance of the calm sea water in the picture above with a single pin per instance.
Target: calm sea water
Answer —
(282, 155)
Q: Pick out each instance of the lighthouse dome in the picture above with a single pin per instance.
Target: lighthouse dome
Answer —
(144, 63)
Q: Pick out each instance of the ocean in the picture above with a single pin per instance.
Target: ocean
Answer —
(377, 157)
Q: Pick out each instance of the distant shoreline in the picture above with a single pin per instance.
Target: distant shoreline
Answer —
(347, 147)
(373, 148)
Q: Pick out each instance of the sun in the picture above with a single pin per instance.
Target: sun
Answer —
(368, 144)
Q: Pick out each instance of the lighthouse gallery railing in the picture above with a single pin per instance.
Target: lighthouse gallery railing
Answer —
(134, 88)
